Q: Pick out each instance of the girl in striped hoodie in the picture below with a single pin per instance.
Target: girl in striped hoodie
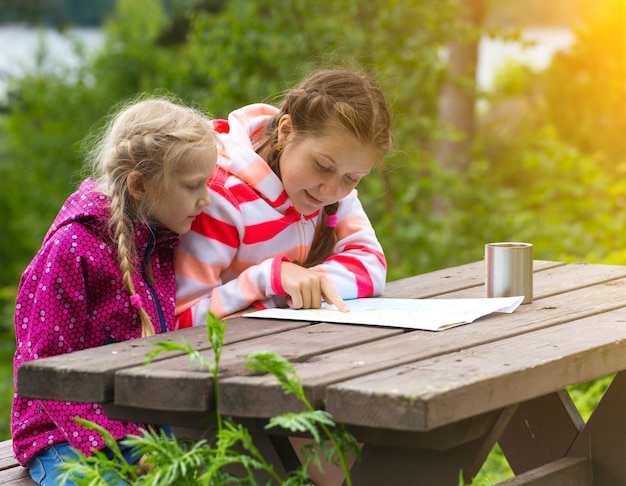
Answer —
(285, 227)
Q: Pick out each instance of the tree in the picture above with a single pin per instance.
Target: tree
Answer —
(58, 13)
(245, 52)
(458, 97)
(585, 91)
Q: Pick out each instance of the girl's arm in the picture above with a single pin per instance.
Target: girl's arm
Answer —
(52, 317)
(209, 276)
(357, 267)
(51, 311)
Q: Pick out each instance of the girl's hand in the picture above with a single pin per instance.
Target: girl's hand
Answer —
(307, 289)
(144, 467)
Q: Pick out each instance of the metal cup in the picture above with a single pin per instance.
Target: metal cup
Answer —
(509, 270)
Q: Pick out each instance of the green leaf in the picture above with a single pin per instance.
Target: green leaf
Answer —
(268, 362)
(303, 422)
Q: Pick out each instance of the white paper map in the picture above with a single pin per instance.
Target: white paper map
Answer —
(426, 314)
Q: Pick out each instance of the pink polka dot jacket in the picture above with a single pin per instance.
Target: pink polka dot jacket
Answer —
(70, 298)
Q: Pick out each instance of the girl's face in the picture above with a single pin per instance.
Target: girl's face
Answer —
(320, 170)
(180, 200)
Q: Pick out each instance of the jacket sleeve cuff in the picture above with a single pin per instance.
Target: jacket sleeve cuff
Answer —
(277, 286)
(185, 320)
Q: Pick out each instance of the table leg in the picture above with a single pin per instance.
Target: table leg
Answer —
(401, 466)
(540, 431)
(404, 465)
(604, 436)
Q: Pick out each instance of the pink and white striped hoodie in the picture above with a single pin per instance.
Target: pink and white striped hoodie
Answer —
(231, 257)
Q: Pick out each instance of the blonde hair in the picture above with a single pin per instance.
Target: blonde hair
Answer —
(332, 99)
(153, 137)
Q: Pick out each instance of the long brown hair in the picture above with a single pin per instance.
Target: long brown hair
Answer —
(155, 138)
(330, 99)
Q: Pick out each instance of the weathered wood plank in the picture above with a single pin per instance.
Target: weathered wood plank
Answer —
(568, 471)
(261, 396)
(6, 455)
(441, 390)
(11, 473)
(191, 391)
(17, 476)
(448, 280)
(555, 280)
(87, 375)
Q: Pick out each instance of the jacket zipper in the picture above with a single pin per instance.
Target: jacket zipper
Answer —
(146, 272)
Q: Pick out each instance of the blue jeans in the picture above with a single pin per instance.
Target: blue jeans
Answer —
(43, 468)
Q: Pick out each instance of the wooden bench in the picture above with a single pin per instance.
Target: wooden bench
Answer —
(11, 473)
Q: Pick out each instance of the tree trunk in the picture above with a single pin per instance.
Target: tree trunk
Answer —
(458, 98)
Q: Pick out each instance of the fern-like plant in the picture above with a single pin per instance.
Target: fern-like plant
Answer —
(167, 460)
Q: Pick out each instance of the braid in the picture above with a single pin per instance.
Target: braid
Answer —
(271, 141)
(150, 140)
(324, 240)
(123, 230)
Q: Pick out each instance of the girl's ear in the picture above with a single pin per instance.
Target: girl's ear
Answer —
(285, 128)
(136, 186)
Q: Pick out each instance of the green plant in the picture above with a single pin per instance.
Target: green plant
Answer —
(168, 460)
(475, 481)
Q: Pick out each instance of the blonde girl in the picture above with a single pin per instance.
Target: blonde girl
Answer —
(104, 272)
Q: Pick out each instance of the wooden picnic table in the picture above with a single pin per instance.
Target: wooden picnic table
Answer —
(425, 405)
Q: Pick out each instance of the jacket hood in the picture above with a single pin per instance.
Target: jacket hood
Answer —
(85, 204)
(240, 159)
(90, 207)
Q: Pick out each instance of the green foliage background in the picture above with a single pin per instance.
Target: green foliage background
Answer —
(547, 162)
